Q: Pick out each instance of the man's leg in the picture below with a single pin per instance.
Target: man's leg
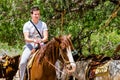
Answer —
(23, 62)
(0, 58)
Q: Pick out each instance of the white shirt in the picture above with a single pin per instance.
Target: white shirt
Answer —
(29, 27)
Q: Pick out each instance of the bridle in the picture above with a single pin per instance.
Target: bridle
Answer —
(65, 61)
(4, 64)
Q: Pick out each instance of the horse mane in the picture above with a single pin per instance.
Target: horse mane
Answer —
(49, 50)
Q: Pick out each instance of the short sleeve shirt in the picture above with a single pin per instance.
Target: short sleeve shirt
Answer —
(29, 27)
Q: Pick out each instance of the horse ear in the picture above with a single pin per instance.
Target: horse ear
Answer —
(57, 39)
(69, 36)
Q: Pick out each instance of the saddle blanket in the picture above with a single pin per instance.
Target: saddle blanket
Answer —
(102, 69)
(30, 61)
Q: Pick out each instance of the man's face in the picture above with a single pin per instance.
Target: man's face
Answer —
(36, 15)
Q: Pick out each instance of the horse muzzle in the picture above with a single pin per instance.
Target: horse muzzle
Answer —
(70, 68)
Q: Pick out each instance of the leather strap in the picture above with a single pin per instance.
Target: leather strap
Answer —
(36, 29)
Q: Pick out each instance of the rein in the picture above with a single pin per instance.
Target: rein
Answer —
(54, 66)
(66, 62)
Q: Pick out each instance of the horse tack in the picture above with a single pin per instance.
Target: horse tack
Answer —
(102, 70)
(66, 62)
(4, 64)
(97, 69)
(7, 62)
(9, 67)
(30, 61)
(54, 66)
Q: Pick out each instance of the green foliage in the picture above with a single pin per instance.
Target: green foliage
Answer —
(9, 50)
(86, 25)
(105, 42)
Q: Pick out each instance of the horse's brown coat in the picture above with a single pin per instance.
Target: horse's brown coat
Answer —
(41, 68)
(9, 67)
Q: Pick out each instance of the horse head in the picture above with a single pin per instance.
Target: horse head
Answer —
(65, 51)
(45, 59)
(6, 60)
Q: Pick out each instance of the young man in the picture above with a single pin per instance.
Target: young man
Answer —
(32, 37)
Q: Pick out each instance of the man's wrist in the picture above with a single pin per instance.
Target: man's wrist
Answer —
(34, 40)
(41, 40)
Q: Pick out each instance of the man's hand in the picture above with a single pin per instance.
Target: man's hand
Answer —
(37, 40)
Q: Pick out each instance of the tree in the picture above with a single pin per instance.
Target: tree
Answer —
(89, 21)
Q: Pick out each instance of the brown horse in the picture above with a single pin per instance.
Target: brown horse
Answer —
(9, 66)
(44, 68)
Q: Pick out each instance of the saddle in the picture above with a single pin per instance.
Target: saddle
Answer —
(30, 61)
(3, 65)
(34, 51)
(102, 69)
(98, 68)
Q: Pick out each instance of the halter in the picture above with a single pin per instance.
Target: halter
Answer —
(54, 66)
(65, 61)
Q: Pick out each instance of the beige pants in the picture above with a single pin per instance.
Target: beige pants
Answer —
(0, 57)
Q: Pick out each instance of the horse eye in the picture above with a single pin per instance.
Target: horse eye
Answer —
(64, 50)
(62, 46)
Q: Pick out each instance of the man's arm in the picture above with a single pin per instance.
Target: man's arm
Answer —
(26, 36)
(45, 36)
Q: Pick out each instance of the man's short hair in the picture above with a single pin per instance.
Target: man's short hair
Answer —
(34, 8)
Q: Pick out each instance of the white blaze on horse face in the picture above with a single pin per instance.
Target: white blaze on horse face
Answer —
(70, 57)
